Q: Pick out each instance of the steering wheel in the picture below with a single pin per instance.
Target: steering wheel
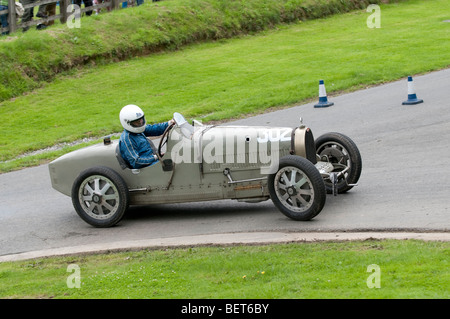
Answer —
(164, 139)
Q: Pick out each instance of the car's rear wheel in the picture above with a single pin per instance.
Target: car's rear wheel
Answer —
(100, 196)
(297, 188)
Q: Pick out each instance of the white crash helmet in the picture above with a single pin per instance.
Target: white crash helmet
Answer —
(130, 116)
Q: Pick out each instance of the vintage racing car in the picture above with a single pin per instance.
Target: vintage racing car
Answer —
(211, 162)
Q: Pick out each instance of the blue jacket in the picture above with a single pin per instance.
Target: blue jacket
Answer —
(136, 149)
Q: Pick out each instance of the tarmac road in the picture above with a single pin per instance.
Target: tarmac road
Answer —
(404, 186)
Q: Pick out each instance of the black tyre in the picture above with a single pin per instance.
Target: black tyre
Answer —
(343, 153)
(100, 196)
(297, 188)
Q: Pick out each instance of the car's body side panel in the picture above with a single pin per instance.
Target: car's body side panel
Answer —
(65, 169)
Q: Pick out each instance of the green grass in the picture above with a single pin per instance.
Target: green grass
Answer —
(32, 58)
(231, 78)
(408, 269)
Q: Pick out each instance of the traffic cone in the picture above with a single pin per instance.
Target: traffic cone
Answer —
(323, 101)
(412, 97)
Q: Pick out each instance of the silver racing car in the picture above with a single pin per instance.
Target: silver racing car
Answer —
(207, 162)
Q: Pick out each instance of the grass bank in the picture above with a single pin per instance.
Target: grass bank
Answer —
(407, 269)
(31, 59)
(228, 78)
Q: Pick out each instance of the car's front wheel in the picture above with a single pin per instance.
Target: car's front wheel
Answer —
(343, 153)
(297, 188)
(100, 196)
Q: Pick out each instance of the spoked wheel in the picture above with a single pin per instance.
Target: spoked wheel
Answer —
(343, 153)
(297, 188)
(100, 196)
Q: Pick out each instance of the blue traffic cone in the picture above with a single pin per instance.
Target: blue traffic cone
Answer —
(412, 97)
(323, 101)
